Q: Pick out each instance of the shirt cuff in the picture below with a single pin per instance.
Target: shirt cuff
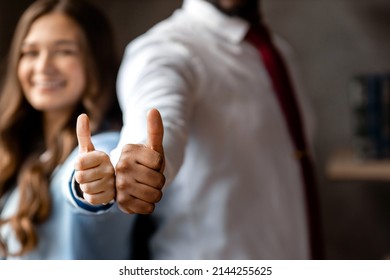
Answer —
(81, 202)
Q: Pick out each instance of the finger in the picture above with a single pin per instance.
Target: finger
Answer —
(155, 131)
(84, 134)
(131, 205)
(132, 155)
(139, 190)
(145, 193)
(100, 198)
(98, 186)
(89, 175)
(90, 160)
(147, 176)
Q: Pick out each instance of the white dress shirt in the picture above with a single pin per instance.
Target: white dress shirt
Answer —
(234, 188)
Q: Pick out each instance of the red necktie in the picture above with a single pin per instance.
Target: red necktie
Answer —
(261, 39)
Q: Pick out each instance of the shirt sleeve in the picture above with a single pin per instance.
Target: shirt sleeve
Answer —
(80, 202)
(157, 74)
(94, 232)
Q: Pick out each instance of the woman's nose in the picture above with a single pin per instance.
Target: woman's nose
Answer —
(45, 63)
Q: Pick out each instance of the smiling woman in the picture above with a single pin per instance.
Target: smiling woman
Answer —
(59, 67)
(51, 69)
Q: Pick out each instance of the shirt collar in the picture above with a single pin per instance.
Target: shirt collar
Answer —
(233, 29)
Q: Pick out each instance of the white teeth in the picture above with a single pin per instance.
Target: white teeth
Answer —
(49, 84)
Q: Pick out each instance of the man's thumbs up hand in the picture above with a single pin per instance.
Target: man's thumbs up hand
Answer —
(94, 171)
(139, 171)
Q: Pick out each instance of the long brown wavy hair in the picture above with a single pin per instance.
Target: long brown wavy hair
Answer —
(21, 133)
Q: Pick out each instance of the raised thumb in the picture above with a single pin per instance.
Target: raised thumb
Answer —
(155, 131)
(84, 134)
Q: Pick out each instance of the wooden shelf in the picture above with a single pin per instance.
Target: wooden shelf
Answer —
(344, 165)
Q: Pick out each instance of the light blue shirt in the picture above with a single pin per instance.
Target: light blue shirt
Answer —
(75, 229)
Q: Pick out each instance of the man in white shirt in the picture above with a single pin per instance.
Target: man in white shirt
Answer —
(234, 188)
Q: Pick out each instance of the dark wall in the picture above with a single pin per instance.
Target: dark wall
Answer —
(335, 40)
(9, 14)
(129, 18)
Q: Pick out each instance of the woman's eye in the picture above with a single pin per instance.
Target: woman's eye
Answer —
(65, 52)
(29, 53)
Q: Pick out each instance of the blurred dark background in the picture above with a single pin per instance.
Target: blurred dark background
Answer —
(334, 40)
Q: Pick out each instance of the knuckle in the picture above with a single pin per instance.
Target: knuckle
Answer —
(123, 204)
(162, 181)
(90, 199)
(123, 183)
(156, 160)
(110, 183)
(81, 162)
(122, 165)
(160, 160)
(103, 156)
(122, 199)
(157, 196)
(77, 165)
(80, 177)
(109, 171)
(111, 194)
(128, 148)
(127, 157)
(125, 210)
(148, 208)
(107, 174)
(86, 188)
(120, 183)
